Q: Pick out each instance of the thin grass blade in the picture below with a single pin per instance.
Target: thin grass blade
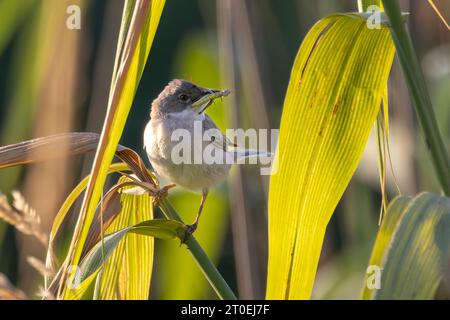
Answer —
(141, 30)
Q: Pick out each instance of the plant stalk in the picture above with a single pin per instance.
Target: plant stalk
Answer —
(419, 93)
(363, 5)
(210, 271)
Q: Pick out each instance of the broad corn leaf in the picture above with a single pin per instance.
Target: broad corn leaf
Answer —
(127, 273)
(137, 262)
(335, 91)
(384, 237)
(99, 255)
(415, 262)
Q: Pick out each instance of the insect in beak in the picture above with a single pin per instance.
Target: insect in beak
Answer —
(208, 98)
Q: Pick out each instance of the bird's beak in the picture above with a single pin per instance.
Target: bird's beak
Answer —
(208, 97)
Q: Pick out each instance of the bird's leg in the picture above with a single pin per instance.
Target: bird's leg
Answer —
(192, 227)
(162, 193)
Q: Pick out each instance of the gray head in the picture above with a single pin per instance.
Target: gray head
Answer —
(177, 96)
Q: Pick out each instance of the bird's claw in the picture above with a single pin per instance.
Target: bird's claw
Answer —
(162, 193)
(190, 229)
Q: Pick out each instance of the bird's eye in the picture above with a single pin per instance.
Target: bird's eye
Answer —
(184, 97)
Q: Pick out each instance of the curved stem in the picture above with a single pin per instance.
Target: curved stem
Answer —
(363, 5)
(419, 93)
(210, 271)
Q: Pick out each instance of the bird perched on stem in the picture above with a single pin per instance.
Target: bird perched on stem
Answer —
(175, 148)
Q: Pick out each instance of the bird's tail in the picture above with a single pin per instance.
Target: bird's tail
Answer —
(251, 153)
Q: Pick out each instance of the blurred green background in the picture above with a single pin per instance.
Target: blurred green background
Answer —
(57, 80)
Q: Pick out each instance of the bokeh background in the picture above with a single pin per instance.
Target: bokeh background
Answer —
(56, 80)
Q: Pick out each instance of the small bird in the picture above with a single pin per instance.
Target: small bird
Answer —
(182, 105)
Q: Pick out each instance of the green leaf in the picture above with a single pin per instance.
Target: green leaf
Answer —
(413, 248)
(163, 229)
(127, 274)
(336, 87)
(394, 214)
(80, 291)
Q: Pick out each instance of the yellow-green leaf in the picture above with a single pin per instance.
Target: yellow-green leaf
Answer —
(415, 258)
(63, 211)
(334, 95)
(103, 250)
(127, 274)
(384, 237)
(79, 291)
(133, 56)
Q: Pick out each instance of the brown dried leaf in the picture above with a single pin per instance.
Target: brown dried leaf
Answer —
(66, 144)
(136, 164)
(109, 210)
(46, 148)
